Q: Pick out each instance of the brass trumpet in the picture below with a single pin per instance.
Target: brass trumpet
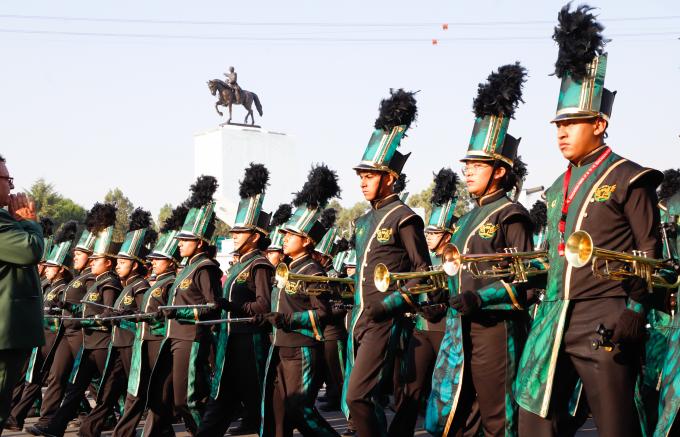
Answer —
(580, 250)
(296, 283)
(508, 264)
(437, 278)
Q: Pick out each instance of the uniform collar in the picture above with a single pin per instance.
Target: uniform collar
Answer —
(86, 271)
(58, 282)
(103, 275)
(300, 260)
(248, 256)
(194, 259)
(377, 204)
(590, 157)
(488, 198)
(129, 280)
(163, 275)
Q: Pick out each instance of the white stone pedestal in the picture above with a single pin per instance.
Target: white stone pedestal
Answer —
(225, 152)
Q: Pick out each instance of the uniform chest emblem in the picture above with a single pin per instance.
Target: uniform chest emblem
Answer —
(185, 284)
(553, 203)
(93, 297)
(242, 277)
(157, 293)
(77, 284)
(51, 296)
(383, 235)
(603, 193)
(127, 300)
(488, 230)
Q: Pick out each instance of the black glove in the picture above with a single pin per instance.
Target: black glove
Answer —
(259, 319)
(434, 313)
(279, 320)
(466, 302)
(170, 313)
(60, 304)
(125, 312)
(630, 328)
(377, 312)
(143, 317)
(224, 304)
(636, 288)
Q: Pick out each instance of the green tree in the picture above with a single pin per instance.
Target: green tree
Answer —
(125, 208)
(347, 215)
(49, 203)
(163, 214)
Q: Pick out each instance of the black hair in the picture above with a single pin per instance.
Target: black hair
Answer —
(514, 177)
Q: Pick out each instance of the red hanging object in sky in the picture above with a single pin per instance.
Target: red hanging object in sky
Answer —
(434, 42)
(445, 26)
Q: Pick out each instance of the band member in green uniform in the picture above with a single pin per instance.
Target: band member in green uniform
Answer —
(57, 274)
(181, 374)
(274, 251)
(392, 234)
(486, 324)
(131, 271)
(294, 373)
(242, 348)
(668, 323)
(96, 335)
(430, 323)
(615, 201)
(68, 349)
(150, 328)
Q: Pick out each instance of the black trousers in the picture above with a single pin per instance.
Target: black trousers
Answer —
(169, 386)
(369, 362)
(608, 377)
(135, 405)
(114, 386)
(334, 363)
(241, 384)
(33, 390)
(420, 357)
(482, 404)
(92, 363)
(60, 371)
(296, 384)
(12, 361)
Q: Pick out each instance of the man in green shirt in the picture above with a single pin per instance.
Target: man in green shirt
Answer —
(21, 246)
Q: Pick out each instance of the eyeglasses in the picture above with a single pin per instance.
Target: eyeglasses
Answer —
(9, 179)
(473, 168)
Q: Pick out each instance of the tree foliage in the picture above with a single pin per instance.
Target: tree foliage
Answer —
(125, 208)
(49, 203)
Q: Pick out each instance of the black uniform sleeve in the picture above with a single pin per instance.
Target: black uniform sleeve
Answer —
(263, 292)
(208, 282)
(412, 236)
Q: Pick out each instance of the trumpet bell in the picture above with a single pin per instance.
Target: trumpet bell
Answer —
(381, 277)
(450, 260)
(579, 249)
(281, 275)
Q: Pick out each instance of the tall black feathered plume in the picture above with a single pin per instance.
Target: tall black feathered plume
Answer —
(328, 217)
(400, 184)
(321, 186)
(517, 176)
(670, 184)
(67, 232)
(580, 40)
(445, 184)
(539, 215)
(342, 245)
(255, 181)
(398, 109)
(353, 241)
(47, 225)
(176, 219)
(202, 191)
(100, 217)
(281, 216)
(139, 219)
(502, 91)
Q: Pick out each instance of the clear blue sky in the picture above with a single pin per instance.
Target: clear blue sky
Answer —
(89, 112)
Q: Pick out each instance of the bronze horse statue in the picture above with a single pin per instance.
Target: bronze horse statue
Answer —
(227, 97)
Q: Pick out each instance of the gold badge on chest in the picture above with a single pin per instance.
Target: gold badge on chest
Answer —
(127, 300)
(51, 296)
(77, 284)
(487, 230)
(603, 193)
(242, 277)
(383, 235)
(93, 297)
(157, 293)
(185, 284)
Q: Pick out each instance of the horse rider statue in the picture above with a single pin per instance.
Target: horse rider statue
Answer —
(232, 78)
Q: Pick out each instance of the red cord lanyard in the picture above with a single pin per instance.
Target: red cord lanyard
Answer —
(569, 197)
